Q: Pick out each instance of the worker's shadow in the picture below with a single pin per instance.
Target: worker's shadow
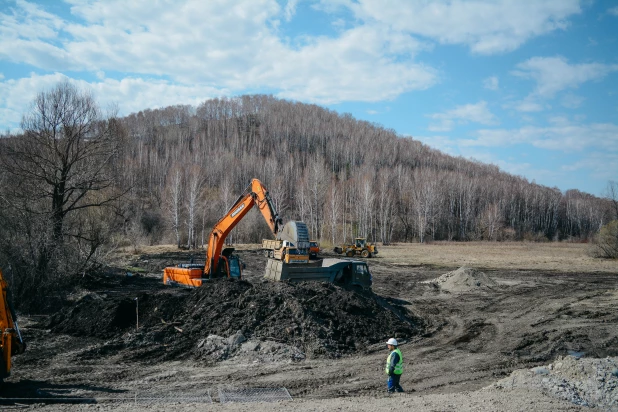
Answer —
(31, 391)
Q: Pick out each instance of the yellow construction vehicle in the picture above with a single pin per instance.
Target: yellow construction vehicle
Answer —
(360, 247)
(11, 342)
(284, 250)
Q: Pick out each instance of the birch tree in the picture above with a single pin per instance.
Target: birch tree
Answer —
(194, 189)
(174, 202)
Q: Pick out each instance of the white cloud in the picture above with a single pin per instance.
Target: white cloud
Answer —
(217, 45)
(361, 64)
(572, 101)
(562, 135)
(528, 105)
(290, 9)
(514, 165)
(604, 165)
(477, 113)
(16, 96)
(554, 74)
(129, 94)
(613, 11)
(443, 143)
(26, 35)
(491, 83)
(486, 26)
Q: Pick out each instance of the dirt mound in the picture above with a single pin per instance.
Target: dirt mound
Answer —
(586, 381)
(215, 321)
(463, 279)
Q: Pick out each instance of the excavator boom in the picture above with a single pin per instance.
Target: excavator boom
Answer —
(191, 275)
(254, 195)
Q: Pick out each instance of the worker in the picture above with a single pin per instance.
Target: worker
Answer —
(394, 366)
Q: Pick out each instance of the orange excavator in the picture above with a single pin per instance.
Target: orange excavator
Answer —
(11, 342)
(222, 262)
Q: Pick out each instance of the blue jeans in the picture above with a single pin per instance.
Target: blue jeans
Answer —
(393, 383)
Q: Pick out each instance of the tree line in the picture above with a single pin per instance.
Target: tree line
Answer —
(77, 182)
(343, 177)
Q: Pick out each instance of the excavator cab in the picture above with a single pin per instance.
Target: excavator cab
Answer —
(233, 267)
(360, 242)
(229, 265)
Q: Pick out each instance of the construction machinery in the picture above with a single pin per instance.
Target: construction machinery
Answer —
(351, 274)
(284, 250)
(360, 247)
(314, 249)
(11, 342)
(222, 262)
(291, 245)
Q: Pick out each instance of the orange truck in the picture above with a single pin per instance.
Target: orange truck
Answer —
(314, 249)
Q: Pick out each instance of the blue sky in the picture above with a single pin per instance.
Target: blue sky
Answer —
(530, 86)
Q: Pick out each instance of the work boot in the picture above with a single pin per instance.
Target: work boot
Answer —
(399, 389)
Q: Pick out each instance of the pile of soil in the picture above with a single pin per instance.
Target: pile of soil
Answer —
(463, 279)
(587, 381)
(214, 321)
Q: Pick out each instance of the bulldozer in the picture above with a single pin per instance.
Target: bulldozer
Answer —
(360, 247)
(11, 342)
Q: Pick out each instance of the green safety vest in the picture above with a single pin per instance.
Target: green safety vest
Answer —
(399, 366)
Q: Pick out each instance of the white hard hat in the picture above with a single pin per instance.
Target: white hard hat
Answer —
(392, 341)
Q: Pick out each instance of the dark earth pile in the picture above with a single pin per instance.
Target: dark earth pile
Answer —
(318, 318)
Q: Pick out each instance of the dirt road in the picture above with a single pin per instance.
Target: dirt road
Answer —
(458, 342)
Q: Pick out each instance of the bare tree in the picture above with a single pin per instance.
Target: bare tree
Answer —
(333, 202)
(61, 167)
(194, 189)
(174, 202)
(611, 192)
(65, 150)
(385, 206)
(425, 197)
(490, 221)
(281, 142)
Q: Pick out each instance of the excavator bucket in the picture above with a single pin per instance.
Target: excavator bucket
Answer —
(297, 233)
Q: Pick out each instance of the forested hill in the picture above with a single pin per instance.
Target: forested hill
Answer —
(342, 176)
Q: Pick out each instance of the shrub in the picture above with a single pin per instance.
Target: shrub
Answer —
(605, 244)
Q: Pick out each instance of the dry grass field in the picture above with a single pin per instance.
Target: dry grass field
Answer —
(547, 257)
(559, 257)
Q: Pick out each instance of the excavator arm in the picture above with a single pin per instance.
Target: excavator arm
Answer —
(192, 275)
(254, 195)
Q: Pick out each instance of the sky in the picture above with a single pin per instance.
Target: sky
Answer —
(530, 86)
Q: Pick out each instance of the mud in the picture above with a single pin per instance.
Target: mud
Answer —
(455, 344)
(319, 319)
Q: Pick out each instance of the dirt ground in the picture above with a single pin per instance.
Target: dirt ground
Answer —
(524, 327)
